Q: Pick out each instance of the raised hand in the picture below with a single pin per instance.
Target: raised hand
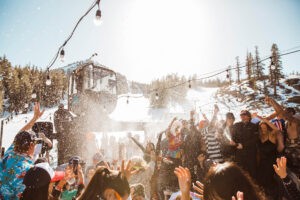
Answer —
(280, 168)
(37, 111)
(184, 180)
(239, 196)
(199, 187)
(126, 170)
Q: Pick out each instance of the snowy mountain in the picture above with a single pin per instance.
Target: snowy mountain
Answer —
(240, 96)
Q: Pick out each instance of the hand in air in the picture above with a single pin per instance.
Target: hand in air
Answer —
(239, 196)
(184, 179)
(280, 168)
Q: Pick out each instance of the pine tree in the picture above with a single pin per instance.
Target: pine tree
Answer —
(229, 75)
(259, 67)
(238, 70)
(276, 60)
(14, 92)
(249, 69)
(6, 72)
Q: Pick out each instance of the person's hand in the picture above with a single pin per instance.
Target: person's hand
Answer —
(37, 112)
(201, 157)
(42, 135)
(268, 100)
(126, 170)
(280, 168)
(255, 115)
(239, 146)
(184, 180)
(232, 143)
(239, 196)
(199, 187)
(69, 174)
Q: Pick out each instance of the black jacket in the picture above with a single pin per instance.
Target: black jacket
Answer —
(247, 135)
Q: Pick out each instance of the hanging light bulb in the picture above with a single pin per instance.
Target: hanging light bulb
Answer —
(33, 95)
(62, 55)
(156, 96)
(227, 75)
(97, 20)
(48, 81)
(127, 101)
(190, 85)
(273, 67)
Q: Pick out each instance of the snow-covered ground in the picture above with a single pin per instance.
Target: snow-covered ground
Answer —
(11, 128)
(138, 109)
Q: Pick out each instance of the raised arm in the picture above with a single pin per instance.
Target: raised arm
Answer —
(168, 131)
(37, 114)
(278, 108)
(214, 118)
(273, 127)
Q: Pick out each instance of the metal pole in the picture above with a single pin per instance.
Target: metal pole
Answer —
(1, 134)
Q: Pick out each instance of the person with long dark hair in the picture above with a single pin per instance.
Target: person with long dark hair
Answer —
(37, 180)
(108, 184)
(223, 181)
(267, 152)
(228, 146)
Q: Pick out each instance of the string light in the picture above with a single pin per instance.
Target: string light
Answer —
(60, 49)
(62, 55)
(227, 75)
(33, 95)
(273, 67)
(210, 76)
(48, 81)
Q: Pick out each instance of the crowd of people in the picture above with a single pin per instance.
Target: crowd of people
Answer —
(209, 159)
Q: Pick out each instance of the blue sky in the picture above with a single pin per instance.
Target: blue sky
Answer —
(146, 39)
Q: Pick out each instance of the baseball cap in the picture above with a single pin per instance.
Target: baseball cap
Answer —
(24, 138)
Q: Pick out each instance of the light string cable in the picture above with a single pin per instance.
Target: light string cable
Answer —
(210, 76)
(70, 36)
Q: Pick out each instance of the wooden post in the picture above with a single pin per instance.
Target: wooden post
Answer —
(1, 133)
